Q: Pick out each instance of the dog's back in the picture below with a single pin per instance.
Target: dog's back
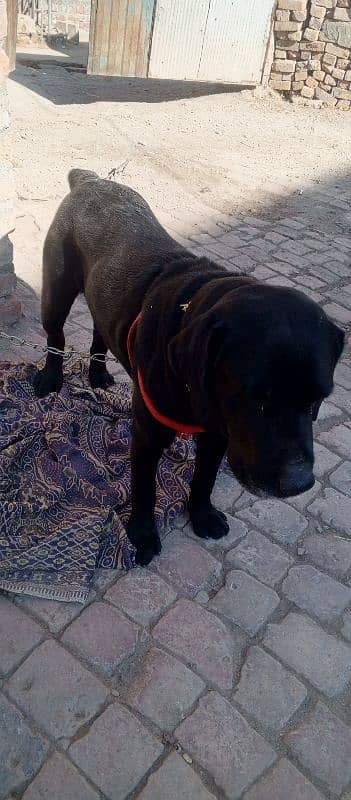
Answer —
(106, 242)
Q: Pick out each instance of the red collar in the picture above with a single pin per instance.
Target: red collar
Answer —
(180, 427)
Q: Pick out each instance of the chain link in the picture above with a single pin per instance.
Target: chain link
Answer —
(65, 354)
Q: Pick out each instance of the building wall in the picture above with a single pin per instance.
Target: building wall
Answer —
(10, 307)
(312, 56)
(71, 17)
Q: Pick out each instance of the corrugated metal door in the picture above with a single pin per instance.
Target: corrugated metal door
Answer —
(235, 41)
(210, 40)
(177, 38)
(120, 36)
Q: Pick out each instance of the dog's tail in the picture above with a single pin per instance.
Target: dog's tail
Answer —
(77, 176)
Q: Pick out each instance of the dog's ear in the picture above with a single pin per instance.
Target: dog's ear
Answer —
(193, 355)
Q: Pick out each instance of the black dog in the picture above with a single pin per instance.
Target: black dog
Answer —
(246, 364)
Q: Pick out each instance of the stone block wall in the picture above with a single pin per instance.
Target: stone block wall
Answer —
(71, 17)
(312, 55)
(10, 306)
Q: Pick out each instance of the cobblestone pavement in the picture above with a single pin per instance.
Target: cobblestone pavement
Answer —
(224, 669)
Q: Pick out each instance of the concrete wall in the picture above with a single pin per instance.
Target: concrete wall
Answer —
(312, 56)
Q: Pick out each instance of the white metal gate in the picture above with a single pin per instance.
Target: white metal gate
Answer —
(210, 40)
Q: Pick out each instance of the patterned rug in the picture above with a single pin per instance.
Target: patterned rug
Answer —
(65, 484)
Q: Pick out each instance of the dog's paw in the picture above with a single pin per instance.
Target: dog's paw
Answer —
(45, 382)
(209, 523)
(145, 540)
(100, 379)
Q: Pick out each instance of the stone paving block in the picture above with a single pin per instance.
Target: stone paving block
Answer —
(267, 691)
(104, 578)
(330, 552)
(292, 258)
(276, 238)
(256, 222)
(59, 780)
(342, 397)
(341, 478)
(325, 460)
(142, 595)
(56, 690)
(103, 636)
(316, 593)
(254, 252)
(322, 744)
(324, 274)
(342, 375)
(54, 614)
(18, 635)
(116, 752)
(245, 263)
(232, 238)
(340, 296)
(303, 500)
(283, 782)
(341, 268)
(318, 258)
(298, 247)
(334, 509)
(226, 491)
(315, 244)
(328, 412)
(281, 281)
(221, 740)
(346, 628)
(257, 555)
(276, 518)
(338, 313)
(322, 659)
(22, 751)
(245, 601)
(310, 282)
(312, 294)
(262, 273)
(339, 438)
(187, 565)
(203, 641)
(175, 780)
(245, 500)
(164, 689)
(222, 248)
(282, 267)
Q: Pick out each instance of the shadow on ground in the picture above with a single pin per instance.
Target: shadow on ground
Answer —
(107, 89)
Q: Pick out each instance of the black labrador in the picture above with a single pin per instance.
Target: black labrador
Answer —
(244, 364)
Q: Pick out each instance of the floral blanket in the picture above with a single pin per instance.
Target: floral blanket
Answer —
(65, 484)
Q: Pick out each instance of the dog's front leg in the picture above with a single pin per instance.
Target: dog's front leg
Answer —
(149, 440)
(206, 520)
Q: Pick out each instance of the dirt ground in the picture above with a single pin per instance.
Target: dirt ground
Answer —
(197, 153)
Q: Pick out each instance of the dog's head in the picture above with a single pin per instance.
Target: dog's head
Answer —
(259, 363)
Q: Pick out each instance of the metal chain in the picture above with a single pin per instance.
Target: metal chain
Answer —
(65, 354)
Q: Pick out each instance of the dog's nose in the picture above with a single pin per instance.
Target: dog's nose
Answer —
(297, 478)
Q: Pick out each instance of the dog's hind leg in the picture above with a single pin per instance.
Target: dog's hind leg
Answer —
(61, 285)
(99, 376)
